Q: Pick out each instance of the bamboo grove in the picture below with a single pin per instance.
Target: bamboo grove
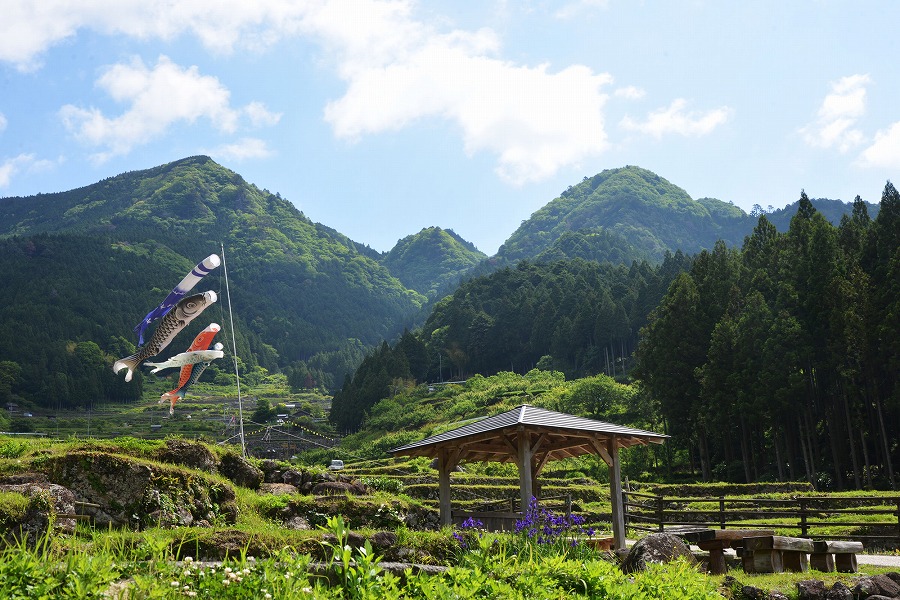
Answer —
(780, 360)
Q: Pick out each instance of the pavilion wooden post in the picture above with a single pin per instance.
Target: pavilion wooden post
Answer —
(615, 493)
(446, 463)
(523, 462)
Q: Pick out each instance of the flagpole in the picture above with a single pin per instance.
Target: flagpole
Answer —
(234, 356)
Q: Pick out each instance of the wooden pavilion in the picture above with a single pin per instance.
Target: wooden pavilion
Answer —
(531, 437)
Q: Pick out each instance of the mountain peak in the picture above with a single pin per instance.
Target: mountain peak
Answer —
(646, 210)
(432, 259)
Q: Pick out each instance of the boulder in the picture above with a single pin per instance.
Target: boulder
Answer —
(277, 488)
(383, 540)
(298, 523)
(810, 589)
(751, 592)
(337, 488)
(132, 492)
(839, 591)
(189, 454)
(272, 471)
(887, 586)
(656, 548)
(60, 504)
(241, 471)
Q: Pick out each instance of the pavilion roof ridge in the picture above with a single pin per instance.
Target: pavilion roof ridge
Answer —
(528, 415)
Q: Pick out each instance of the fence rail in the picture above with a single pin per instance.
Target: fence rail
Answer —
(654, 512)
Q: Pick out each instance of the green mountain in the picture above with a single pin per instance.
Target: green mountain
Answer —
(650, 214)
(432, 260)
(832, 210)
(599, 245)
(87, 264)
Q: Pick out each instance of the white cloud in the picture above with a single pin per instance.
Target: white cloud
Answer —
(629, 93)
(535, 121)
(573, 9)
(243, 149)
(838, 114)
(397, 69)
(885, 151)
(2, 122)
(157, 98)
(12, 166)
(29, 28)
(260, 116)
(674, 119)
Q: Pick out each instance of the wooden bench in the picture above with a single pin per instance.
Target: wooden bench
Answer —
(776, 554)
(715, 541)
(830, 555)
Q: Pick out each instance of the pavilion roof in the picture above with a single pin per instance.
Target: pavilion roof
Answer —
(561, 435)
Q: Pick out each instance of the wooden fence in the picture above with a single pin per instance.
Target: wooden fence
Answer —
(861, 518)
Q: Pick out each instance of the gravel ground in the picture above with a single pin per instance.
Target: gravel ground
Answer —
(880, 560)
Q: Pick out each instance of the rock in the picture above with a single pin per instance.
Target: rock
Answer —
(810, 589)
(338, 488)
(272, 472)
(876, 585)
(298, 523)
(241, 471)
(189, 454)
(383, 539)
(754, 593)
(294, 477)
(61, 500)
(839, 591)
(886, 586)
(656, 548)
(277, 488)
(133, 492)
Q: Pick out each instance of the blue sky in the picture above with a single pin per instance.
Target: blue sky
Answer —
(379, 118)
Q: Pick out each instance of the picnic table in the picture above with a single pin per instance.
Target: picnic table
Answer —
(715, 541)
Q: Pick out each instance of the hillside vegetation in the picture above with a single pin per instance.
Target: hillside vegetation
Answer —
(780, 361)
(576, 316)
(93, 261)
(649, 212)
(432, 261)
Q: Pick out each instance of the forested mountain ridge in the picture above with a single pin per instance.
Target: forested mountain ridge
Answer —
(573, 316)
(780, 360)
(636, 204)
(630, 213)
(307, 298)
(432, 260)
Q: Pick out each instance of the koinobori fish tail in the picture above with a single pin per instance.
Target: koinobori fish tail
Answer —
(175, 320)
(189, 375)
(178, 394)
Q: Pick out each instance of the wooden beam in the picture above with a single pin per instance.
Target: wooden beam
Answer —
(501, 449)
(602, 451)
(542, 461)
(514, 449)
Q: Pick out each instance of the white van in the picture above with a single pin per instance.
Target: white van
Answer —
(336, 465)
